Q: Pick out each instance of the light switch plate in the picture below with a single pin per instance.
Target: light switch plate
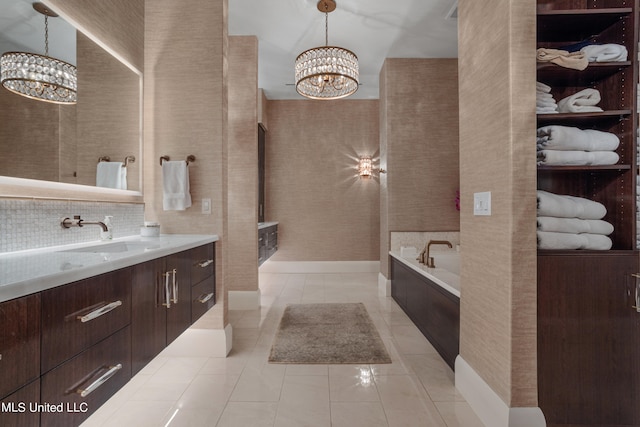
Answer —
(206, 206)
(482, 203)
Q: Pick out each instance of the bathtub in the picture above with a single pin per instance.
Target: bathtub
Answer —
(431, 298)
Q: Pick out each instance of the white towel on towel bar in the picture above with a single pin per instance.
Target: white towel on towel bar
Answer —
(577, 158)
(111, 175)
(584, 101)
(574, 225)
(175, 185)
(562, 206)
(556, 137)
(609, 52)
(552, 240)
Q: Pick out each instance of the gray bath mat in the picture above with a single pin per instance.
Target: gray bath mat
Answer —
(327, 334)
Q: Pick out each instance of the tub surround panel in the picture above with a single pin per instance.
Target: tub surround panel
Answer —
(419, 146)
(29, 224)
(242, 235)
(325, 211)
(497, 117)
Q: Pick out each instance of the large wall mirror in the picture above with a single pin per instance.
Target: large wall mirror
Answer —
(44, 143)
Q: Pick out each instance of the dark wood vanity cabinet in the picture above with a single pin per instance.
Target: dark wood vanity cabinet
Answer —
(588, 332)
(434, 310)
(267, 242)
(20, 360)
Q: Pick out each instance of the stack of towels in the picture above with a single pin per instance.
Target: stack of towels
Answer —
(545, 104)
(584, 101)
(570, 146)
(579, 59)
(568, 222)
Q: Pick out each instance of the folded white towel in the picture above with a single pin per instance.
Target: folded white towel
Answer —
(609, 52)
(562, 206)
(110, 175)
(557, 137)
(546, 104)
(541, 96)
(577, 158)
(541, 87)
(581, 102)
(574, 225)
(175, 185)
(546, 110)
(552, 240)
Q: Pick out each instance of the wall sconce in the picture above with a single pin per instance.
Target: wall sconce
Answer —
(365, 167)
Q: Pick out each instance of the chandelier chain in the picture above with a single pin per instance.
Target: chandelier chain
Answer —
(46, 35)
(326, 28)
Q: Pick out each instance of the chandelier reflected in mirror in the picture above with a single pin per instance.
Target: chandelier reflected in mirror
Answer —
(327, 72)
(39, 77)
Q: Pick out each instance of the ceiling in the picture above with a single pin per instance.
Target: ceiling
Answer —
(372, 29)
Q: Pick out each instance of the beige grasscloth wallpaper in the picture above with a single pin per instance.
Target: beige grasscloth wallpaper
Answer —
(325, 211)
(498, 254)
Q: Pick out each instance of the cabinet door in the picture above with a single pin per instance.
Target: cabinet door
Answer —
(149, 315)
(19, 342)
(588, 339)
(78, 315)
(17, 408)
(400, 276)
(179, 314)
(203, 297)
(82, 384)
(202, 263)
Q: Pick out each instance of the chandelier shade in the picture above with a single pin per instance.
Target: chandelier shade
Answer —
(39, 77)
(327, 72)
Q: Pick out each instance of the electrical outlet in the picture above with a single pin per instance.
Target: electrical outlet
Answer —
(206, 206)
(482, 203)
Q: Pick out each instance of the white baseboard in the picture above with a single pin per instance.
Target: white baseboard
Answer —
(320, 267)
(201, 343)
(384, 286)
(489, 407)
(244, 300)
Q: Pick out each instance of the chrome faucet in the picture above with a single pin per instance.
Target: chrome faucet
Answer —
(424, 255)
(79, 222)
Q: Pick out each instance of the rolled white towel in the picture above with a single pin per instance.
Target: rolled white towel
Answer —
(563, 206)
(574, 225)
(552, 240)
(581, 102)
(577, 158)
(555, 137)
(609, 52)
(541, 87)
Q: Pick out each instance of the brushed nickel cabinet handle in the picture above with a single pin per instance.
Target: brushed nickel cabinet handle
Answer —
(204, 298)
(205, 263)
(99, 312)
(167, 291)
(175, 287)
(637, 295)
(97, 383)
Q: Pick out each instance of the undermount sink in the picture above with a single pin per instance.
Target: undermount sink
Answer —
(115, 247)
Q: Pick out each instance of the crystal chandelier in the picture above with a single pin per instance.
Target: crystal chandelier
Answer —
(327, 72)
(37, 76)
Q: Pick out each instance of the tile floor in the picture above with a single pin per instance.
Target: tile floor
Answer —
(244, 390)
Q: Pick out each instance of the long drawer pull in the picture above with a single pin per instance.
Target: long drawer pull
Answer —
(99, 312)
(175, 287)
(205, 263)
(205, 298)
(637, 296)
(167, 291)
(97, 383)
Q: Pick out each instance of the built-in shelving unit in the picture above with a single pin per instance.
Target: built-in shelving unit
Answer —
(588, 332)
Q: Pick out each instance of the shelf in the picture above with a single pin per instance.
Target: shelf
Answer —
(555, 75)
(583, 118)
(577, 24)
(582, 252)
(606, 168)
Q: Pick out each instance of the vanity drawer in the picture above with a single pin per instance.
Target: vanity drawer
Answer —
(202, 297)
(16, 409)
(78, 315)
(98, 373)
(19, 343)
(203, 263)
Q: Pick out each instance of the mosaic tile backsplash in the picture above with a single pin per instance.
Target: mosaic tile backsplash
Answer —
(30, 224)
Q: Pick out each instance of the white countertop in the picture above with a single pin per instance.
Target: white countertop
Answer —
(26, 272)
(262, 225)
(448, 280)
